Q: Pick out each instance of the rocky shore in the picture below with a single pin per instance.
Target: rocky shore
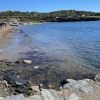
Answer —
(71, 89)
(19, 82)
(38, 77)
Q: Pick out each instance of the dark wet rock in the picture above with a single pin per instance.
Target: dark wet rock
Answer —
(18, 84)
(14, 80)
(23, 89)
(63, 82)
(17, 62)
(8, 63)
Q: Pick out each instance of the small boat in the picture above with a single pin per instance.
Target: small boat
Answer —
(13, 22)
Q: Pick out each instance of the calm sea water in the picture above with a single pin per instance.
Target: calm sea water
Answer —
(74, 41)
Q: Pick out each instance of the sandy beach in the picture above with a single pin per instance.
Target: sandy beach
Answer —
(6, 34)
(5, 31)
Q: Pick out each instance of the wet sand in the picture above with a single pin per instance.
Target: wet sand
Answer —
(5, 39)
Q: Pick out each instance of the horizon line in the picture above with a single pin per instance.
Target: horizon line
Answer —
(50, 11)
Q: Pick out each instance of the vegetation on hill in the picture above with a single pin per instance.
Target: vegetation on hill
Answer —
(57, 16)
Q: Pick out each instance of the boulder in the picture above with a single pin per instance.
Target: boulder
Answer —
(50, 94)
(71, 80)
(81, 86)
(72, 96)
(27, 61)
(97, 78)
(15, 97)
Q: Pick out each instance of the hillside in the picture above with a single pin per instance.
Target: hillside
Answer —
(57, 16)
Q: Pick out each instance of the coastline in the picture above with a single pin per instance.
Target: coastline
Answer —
(33, 74)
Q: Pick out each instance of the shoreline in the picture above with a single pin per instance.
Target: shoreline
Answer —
(14, 84)
(35, 73)
(6, 34)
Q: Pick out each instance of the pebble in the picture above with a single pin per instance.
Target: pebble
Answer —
(97, 78)
(35, 88)
(36, 67)
(27, 61)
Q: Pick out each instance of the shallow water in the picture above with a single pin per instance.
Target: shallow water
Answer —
(60, 50)
(75, 41)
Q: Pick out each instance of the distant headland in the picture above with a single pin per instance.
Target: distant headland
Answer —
(56, 16)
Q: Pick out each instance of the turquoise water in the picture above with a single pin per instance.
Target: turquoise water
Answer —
(77, 42)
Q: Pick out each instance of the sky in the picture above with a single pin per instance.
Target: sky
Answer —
(49, 5)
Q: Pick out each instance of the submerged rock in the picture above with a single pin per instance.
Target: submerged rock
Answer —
(14, 80)
(18, 85)
(27, 61)
(36, 67)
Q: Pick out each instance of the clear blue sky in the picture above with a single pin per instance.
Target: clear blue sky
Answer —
(49, 5)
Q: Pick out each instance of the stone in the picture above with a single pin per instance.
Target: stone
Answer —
(14, 80)
(35, 97)
(72, 96)
(63, 92)
(17, 62)
(15, 97)
(1, 98)
(36, 67)
(35, 88)
(97, 78)
(5, 82)
(18, 83)
(27, 61)
(81, 85)
(51, 86)
(50, 94)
